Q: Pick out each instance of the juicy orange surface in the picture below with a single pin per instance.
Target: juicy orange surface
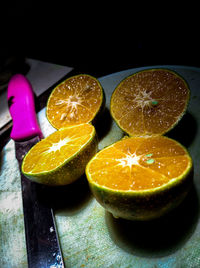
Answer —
(54, 150)
(139, 163)
(74, 101)
(149, 102)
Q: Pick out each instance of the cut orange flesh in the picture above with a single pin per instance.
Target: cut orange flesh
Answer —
(75, 101)
(51, 152)
(149, 102)
(136, 164)
(61, 158)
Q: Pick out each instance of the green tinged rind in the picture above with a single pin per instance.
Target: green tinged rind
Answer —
(98, 113)
(178, 119)
(69, 171)
(146, 204)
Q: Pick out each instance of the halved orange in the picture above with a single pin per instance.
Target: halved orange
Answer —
(61, 158)
(150, 102)
(75, 101)
(140, 178)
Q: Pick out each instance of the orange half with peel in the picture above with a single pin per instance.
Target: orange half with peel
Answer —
(61, 158)
(150, 102)
(140, 178)
(77, 100)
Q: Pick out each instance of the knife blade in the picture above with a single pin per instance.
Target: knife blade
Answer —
(42, 243)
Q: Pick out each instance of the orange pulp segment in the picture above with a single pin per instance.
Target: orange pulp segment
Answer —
(139, 163)
(57, 149)
(149, 102)
(75, 101)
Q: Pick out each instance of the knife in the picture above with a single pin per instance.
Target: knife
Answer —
(43, 248)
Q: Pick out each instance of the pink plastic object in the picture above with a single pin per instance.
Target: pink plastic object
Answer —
(22, 109)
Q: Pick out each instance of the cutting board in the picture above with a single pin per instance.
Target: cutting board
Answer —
(90, 236)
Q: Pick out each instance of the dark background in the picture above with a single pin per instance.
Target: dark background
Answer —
(100, 38)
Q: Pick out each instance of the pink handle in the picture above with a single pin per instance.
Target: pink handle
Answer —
(22, 109)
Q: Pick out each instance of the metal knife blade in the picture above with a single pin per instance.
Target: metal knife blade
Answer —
(43, 248)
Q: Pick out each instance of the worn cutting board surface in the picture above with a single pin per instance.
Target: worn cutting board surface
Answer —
(90, 236)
